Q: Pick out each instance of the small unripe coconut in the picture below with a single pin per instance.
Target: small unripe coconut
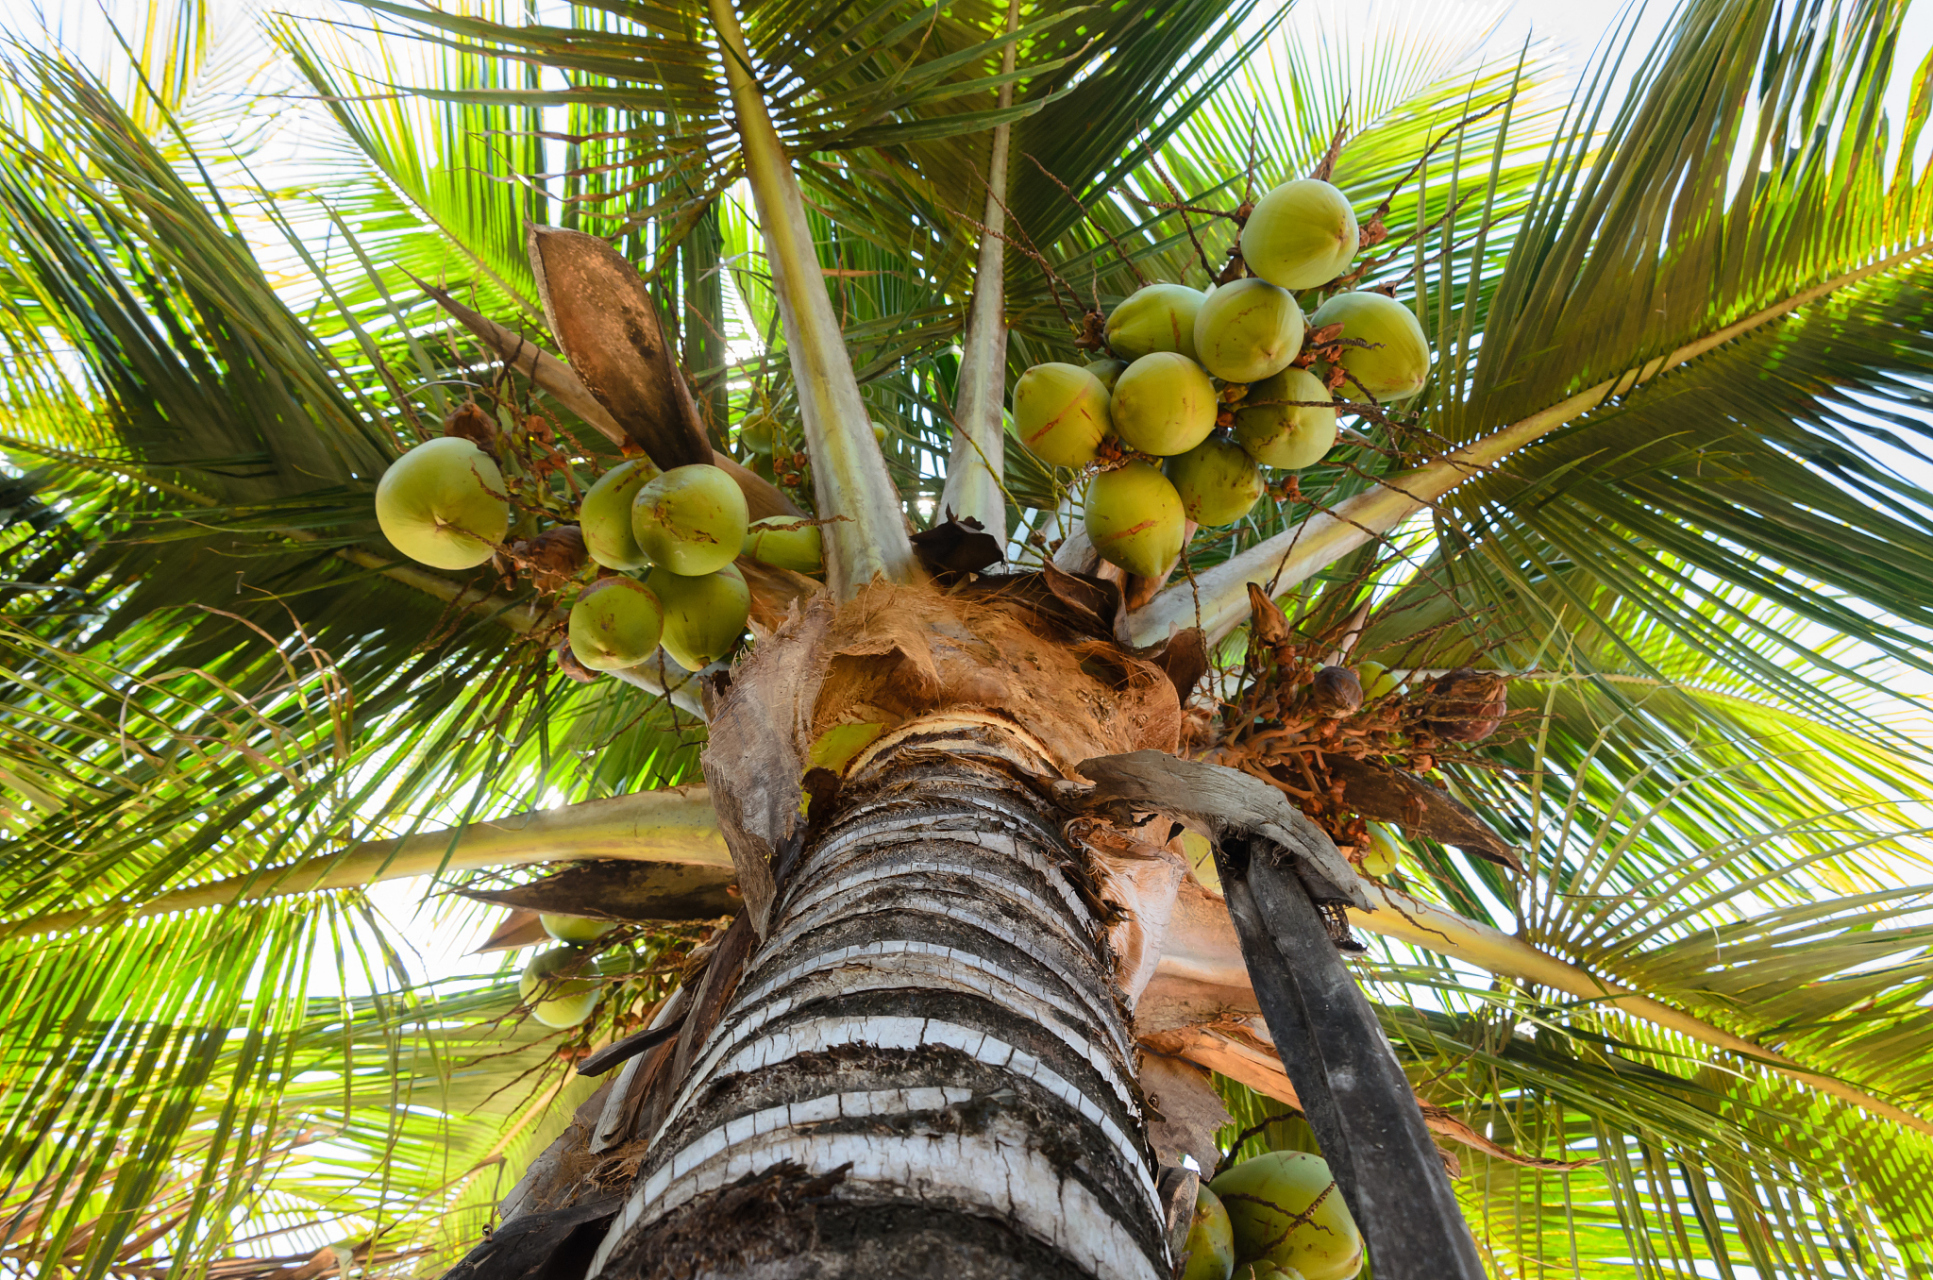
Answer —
(759, 435)
(1376, 680)
(557, 1001)
(1264, 1271)
(690, 520)
(1286, 1209)
(443, 504)
(1155, 317)
(1301, 234)
(1397, 365)
(1467, 705)
(1164, 404)
(605, 515)
(703, 617)
(1247, 330)
(616, 623)
(1211, 1241)
(786, 542)
(1060, 411)
(1217, 481)
(1334, 692)
(1107, 370)
(1280, 424)
(577, 929)
(1382, 855)
(1134, 519)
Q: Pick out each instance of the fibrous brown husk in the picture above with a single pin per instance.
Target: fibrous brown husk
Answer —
(896, 654)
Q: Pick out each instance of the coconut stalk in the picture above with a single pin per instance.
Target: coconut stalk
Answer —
(869, 538)
(1216, 600)
(973, 489)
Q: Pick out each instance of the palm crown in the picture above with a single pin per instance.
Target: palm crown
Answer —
(1678, 309)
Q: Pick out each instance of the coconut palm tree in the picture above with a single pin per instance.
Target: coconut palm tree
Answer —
(1652, 959)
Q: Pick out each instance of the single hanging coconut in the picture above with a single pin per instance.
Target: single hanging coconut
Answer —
(1281, 424)
(1247, 330)
(1286, 1209)
(1060, 411)
(1301, 235)
(1383, 853)
(690, 520)
(604, 515)
(615, 623)
(1134, 519)
(1218, 482)
(703, 617)
(1397, 365)
(1155, 317)
(1107, 369)
(444, 504)
(575, 929)
(1164, 404)
(786, 542)
(1211, 1241)
(559, 1001)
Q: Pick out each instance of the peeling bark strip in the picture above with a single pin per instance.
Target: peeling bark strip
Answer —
(924, 1068)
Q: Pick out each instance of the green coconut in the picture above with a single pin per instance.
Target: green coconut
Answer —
(1286, 1209)
(1382, 855)
(1155, 317)
(703, 617)
(1134, 519)
(1279, 426)
(577, 929)
(1247, 330)
(557, 1001)
(1376, 680)
(605, 515)
(1397, 364)
(1060, 411)
(786, 542)
(1164, 404)
(1107, 370)
(1301, 234)
(616, 623)
(759, 435)
(1265, 1271)
(690, 520)
(1217, 480)
(444, 504)
(1211, 1241)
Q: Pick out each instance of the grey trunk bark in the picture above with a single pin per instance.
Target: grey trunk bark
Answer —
(925, 1069)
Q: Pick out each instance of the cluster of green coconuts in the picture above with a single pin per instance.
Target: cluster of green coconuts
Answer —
(1180, 354)
(552, 985)
(443, 504)
(1277, 1216)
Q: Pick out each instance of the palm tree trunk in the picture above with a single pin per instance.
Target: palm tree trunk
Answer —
(925, 1068)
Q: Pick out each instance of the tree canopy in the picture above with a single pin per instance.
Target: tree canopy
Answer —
(1692, 279)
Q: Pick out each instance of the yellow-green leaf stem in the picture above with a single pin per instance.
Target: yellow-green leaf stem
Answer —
(676, 825)
(973, 470)
(849, 474)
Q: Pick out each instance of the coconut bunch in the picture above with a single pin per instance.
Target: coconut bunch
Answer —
(651, 554)
(561, 986)
(1336, 737)
(1277, 1216)
(1200, 390)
